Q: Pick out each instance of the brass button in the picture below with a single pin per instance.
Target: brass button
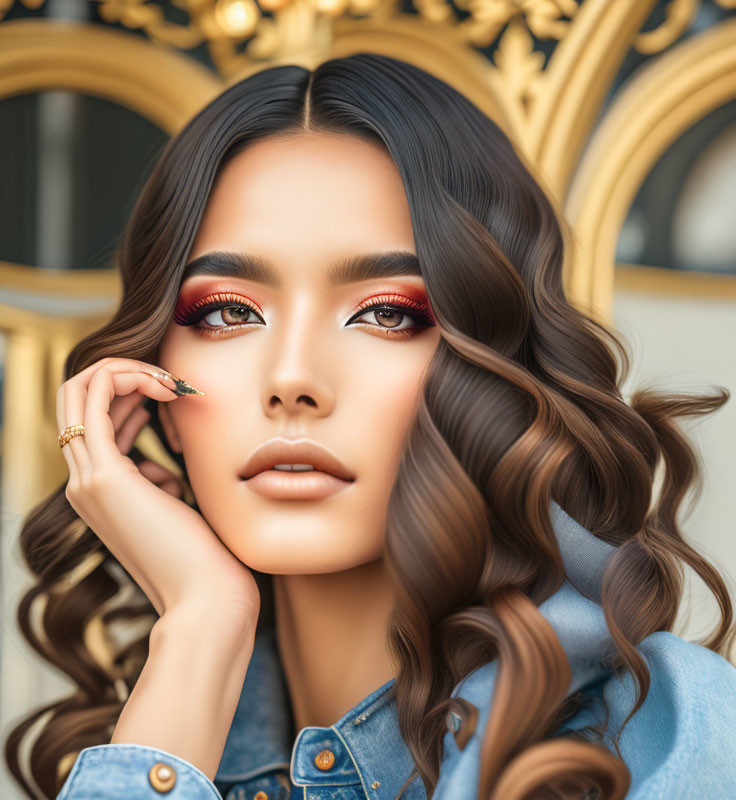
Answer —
(162, 777)
(325, 759)
(260, 796)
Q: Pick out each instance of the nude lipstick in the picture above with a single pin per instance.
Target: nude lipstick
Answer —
(295, 469)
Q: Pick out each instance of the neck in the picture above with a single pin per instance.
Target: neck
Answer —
(331, 632)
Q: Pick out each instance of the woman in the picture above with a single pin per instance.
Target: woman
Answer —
(350, 273)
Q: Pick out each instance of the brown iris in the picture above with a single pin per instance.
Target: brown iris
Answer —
(383, 313)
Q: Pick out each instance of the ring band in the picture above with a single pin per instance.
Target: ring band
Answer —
(69, 433)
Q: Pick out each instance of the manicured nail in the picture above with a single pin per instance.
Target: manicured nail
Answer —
(182, 387)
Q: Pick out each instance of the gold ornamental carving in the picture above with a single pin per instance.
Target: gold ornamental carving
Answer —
(277, 29)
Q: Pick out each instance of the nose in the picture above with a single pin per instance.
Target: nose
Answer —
(296, 382)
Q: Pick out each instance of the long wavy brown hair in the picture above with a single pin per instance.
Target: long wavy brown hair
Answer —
(522, 404)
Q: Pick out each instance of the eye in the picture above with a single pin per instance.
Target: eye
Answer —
(221, 312)
(389, 315)
(390, 312)
(237, 315)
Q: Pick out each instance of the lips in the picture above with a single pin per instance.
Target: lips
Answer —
(281, 450)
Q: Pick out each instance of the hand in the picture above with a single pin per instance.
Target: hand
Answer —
(164, 544)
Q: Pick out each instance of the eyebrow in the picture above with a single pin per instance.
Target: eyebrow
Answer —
(246, 266)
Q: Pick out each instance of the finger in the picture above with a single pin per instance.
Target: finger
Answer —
(61, 424)
(162, 477)
(69, 411)
(134, 365)
(121, 364)
(172, 487)
(104, 386)
(155, 472)
(130, 429)
(122, 407)
(74, 400)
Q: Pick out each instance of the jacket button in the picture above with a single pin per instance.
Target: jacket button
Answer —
(162, 777)
(260, 796)
(325, 759)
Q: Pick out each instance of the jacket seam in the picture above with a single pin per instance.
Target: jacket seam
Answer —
(355, 763)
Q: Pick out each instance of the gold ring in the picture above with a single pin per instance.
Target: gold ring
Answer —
(69, 433)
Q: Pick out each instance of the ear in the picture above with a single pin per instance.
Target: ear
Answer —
(167, 423)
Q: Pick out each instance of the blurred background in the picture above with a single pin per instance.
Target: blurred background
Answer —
(625, 110)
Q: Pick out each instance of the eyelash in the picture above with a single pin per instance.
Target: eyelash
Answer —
(192, 315)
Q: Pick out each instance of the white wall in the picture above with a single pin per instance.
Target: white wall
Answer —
(687, 344)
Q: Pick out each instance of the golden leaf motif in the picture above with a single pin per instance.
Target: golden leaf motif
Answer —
(518, 62)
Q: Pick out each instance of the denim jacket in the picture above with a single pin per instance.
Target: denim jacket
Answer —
(680, 744)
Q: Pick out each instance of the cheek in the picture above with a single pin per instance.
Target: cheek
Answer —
(384, 402)
(210, 429)
(395, 381)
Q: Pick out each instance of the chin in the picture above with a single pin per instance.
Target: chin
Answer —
(294, 559)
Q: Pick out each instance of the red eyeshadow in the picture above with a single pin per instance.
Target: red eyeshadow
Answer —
(410, 292)
(191, 294)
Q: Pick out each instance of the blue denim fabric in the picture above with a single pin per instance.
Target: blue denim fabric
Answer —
(680, 744)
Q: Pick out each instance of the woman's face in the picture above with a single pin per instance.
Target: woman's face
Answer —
(295, 355)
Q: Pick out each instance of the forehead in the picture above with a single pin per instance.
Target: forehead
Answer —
(308, 197)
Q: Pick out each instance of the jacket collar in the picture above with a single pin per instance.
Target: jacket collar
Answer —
(260, 737)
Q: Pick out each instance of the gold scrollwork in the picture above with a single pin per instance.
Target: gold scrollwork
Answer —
(544, 18)
(679, 15)
(269, 29)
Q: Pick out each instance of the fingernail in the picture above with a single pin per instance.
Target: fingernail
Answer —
(182, 387)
